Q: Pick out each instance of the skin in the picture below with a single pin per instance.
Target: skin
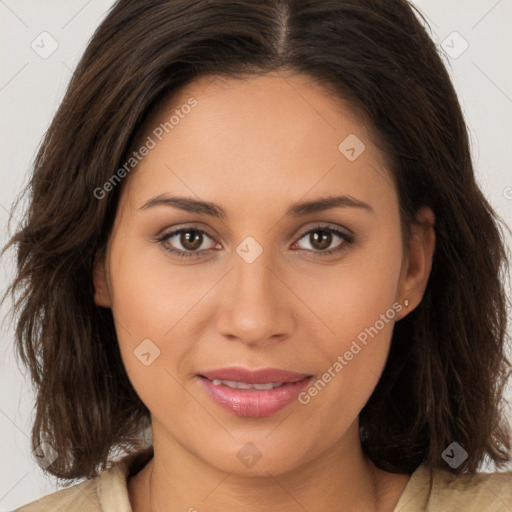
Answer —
(254, 147)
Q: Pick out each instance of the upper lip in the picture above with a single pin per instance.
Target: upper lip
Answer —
(261, 376)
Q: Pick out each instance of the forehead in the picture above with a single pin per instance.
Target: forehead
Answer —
(282, 134)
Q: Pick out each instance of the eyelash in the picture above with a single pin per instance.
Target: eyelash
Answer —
(348, 240)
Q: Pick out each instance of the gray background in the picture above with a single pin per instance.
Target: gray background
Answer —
(32, 83)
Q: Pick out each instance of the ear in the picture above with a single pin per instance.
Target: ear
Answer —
(417, 262)
(101, 291)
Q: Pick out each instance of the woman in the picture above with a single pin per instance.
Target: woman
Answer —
(254, 228)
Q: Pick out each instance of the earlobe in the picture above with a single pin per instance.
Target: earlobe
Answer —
(101, 292)
(418, 264)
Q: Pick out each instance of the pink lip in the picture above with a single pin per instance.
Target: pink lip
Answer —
(252, 402)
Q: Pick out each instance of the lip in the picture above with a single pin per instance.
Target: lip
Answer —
(251, 402)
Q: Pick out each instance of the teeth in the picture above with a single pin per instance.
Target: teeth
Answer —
(244, 385)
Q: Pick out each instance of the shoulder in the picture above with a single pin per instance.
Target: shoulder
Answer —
(107, 492)
(438, 490)
(83, 497)
(475, 491)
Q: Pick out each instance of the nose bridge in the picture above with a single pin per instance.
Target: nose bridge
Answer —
(254, 305)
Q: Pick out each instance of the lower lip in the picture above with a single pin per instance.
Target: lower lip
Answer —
(251, 402)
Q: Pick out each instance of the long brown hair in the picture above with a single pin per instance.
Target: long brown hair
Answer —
(446, 370)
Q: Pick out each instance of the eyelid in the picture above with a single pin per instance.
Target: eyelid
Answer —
(324, 225)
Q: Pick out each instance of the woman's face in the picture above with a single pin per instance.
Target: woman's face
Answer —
(269, 284)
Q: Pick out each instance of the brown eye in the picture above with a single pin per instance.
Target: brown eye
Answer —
(191, 240)
(186, 242)
(321, 238)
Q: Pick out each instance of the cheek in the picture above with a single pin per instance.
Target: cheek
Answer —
(358, 305)
(149, 294)
(148, 304)
(352, 295)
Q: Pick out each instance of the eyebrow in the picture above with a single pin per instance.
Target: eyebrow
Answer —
(296, 210)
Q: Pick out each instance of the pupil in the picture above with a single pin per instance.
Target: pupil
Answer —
(191, 241)
(321, 242)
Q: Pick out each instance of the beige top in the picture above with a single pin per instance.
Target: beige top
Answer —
(427, 490)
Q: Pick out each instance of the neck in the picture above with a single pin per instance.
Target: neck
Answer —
(341, 478)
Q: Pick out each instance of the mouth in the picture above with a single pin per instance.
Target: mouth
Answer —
(245, 385)
(253, 393)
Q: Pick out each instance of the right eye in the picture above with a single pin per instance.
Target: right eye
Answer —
(190, 239)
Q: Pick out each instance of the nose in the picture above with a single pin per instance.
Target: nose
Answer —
(256, 306)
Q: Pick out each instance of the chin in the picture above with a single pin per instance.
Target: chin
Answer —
(254, 459)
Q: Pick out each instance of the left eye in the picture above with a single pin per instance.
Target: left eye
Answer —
(321, 238)
(192, 240)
